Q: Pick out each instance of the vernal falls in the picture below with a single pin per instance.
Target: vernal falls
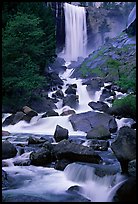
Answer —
(79, 181)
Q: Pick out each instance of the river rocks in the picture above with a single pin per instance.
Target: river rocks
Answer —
(50, 113)
(8, 120)
(127, 191)
(34, 140)
(41, 158)
(42, 104)
(61, 164)
(106, 93)
(112, 125)
(98, 132)
(101, 145)
(94, 84)
(124, 147)
(71, 100)
(58, 94)
(60, 133)
(88, 120)
(75, 152)
(5, 133)
(99, 105)
(70, 90)
(30, 112)
(8, 150)
(67, 112)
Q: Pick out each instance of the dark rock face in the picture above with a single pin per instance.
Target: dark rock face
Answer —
(106, 93)
(101, 145)
(71, 100)
(98, 132)
(127, 191)
(8, 150)
(60, 133)
(88, 120)
(42, 157)
(112, 125)
(124, 147)
(8, 120)
(99, 105)
(42, 104)
(34, 140)
(61, 164)
(70, 90)
(75, 152)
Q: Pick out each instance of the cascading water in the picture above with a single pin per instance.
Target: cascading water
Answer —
(75, 32)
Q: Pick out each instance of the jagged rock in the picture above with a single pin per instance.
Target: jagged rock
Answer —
(98, 132)
(75, 152)
(60, 133)
(8, 150)
(124, 147)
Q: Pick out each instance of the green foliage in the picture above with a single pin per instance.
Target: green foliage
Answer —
(28, 46)
(128, 81)
(127, 105)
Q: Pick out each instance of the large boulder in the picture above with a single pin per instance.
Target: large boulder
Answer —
(8, 150)
(75, 152)
(99, 105)
(98, 132)
(124, 147)
(70, 90)
(88, 120)
(126, 192)
(60, 133)
(8, 120)
(29, 111)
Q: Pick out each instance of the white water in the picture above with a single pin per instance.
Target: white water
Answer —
(75, 32)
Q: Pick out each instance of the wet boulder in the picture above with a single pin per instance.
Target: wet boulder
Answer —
(126, 192)
(50, 113)
(67, 112)
(70, 90)
(75, 152)
(34, 140)
(101, 145)
(8, 150)
(71, 100)
(8, 120)
(124, 147)
(106, 93)
(58, 94)
(98, 132)
(94, 84)
(60, 133)
(99, 105)
(29, 111)
(42, 157)
(61, 164)
(88, 120)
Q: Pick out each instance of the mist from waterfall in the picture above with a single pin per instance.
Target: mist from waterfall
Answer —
(75, 32)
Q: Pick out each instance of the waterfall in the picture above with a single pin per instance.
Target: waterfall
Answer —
(75, 32)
